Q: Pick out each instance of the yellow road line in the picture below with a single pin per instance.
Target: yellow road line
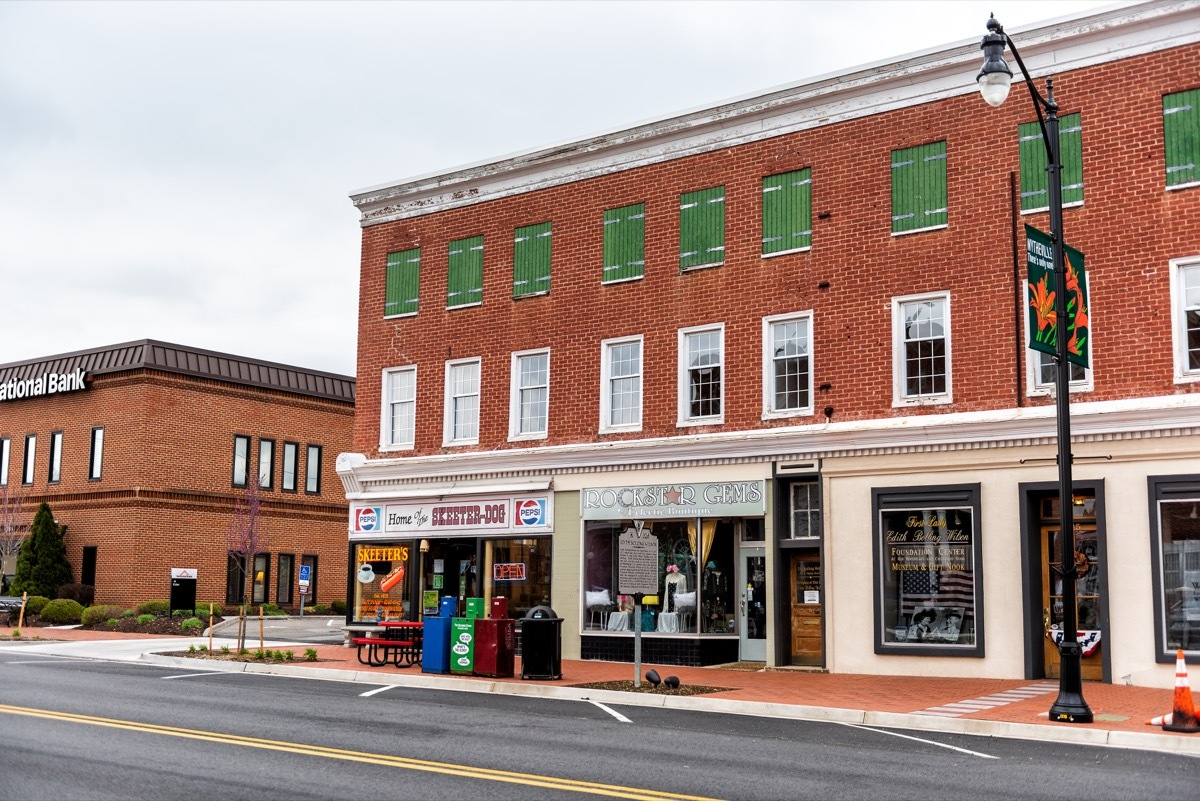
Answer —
(388, 760)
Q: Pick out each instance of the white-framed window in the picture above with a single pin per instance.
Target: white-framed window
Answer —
(787, 365)
(54, 475)
(96, 455)
(266, 463)
(701, 375)
(461, 426)
(921, 349)
(1185, 316)
(1040, 369)
(398, 424)
(5, 456)
(621, 384)
(529, 396)
(29, 459)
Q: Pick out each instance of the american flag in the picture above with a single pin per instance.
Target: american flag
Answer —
(920, 588)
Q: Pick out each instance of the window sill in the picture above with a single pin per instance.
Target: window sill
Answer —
(1189, 185)
(620, 430)
(931, 400)
(700, 421)
(921, 230)
(401, 314)
(1187, 378)
(1048, 391)
(790, 413)
(611, 281)
(804, 249)
(1043, 209)
(524, 295)
(464, 305)
(698, 267)
(396, 448)
(460, 443)
(527, 437)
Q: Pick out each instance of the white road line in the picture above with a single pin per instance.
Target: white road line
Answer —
(194, 675)
(922, 740)
(369, 693)
(612, 712)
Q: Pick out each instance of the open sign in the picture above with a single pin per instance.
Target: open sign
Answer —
(508, 571)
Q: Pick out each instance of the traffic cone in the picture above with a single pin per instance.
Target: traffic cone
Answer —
(1159, 720)
(1183, 716)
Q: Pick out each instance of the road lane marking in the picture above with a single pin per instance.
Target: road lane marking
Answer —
(386, 760)
(369, 693)
(194, 675)
(612, 712)
(922, 740)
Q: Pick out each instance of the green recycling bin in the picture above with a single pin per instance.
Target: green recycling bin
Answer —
(462, 645)
(475, 608)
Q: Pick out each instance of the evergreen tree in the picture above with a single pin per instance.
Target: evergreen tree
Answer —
(42, 565)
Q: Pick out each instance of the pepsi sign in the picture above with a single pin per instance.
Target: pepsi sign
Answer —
(531, 512)
(367, 518)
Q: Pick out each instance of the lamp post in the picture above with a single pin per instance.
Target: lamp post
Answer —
(994, 80)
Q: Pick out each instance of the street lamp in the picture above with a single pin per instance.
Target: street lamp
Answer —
(994, 80)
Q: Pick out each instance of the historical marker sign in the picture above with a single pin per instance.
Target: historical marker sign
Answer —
(637, 562)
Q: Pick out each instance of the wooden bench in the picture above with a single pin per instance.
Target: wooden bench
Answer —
(382, 650)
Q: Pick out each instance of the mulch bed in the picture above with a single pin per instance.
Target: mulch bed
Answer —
(627, 687)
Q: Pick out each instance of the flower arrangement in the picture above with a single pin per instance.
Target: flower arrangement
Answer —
(672, 568)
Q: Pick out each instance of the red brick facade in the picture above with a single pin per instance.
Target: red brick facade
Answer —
(1129, 226)
(165, 496)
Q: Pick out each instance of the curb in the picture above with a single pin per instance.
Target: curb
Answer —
(1165, 743)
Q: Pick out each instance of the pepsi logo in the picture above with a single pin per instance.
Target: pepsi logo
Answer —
(531, 513)
(368, 519)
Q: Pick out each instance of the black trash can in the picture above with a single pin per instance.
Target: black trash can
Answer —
(541, 644)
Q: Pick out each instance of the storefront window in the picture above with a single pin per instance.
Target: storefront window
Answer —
(927, 579)
(1179, 526)
(519, 570)
(382, 582)
(695, 569)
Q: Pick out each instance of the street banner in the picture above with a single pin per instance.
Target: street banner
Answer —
(1043, 318)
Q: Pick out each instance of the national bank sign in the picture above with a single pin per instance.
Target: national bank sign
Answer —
(45, 384)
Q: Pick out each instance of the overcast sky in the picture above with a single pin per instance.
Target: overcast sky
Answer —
(181, 171)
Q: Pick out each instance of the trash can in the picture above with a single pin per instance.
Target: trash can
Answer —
(435, 651)
(541, 644)
(475, 608)
(462, 644)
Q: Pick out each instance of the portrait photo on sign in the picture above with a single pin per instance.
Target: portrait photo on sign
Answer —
(935, 625)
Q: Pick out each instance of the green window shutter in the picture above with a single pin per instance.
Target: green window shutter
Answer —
(531, 260)
(787, 211)
(403, 282)
(919, 187)
(465, 285)
(702, 228)
(1181, 136)
(624, 243)
(1035, 183)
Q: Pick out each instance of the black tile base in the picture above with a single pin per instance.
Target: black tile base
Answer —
(686, 651)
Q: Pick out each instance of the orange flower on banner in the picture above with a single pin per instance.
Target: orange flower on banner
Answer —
(1079, 318)
(1043, 303)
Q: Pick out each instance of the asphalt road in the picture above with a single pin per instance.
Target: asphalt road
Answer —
(310, 629)
(106, 730)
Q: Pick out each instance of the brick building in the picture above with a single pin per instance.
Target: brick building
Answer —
(785, 335)
(145, 449)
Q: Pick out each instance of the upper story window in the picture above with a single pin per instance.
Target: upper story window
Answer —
(624, 243)
(1181, 138)
(787, 367)
(1185, 313)
(241, 460)
(621, 384)
(701, 388)
(54, 474)
(266, 463)
(96, 454)
(804, 502)
(461, 425)
(787, 212)
(465, 283)
(30, 455)
(403, 282)
(5, 458)
(702, 229)
(919, 188)
(312, 470)
(921, 356)
(531, 260)
(291, 466)
(399, 424)
(1035, 182)
(530, 395)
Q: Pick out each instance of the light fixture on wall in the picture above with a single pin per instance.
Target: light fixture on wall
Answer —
(424, 546)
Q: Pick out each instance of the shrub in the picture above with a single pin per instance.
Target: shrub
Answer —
(16, 633)
(338, 607)
(62, 611)
(84, 593)
(192, 648)
(182, 613)
(202, 609)
(289, 656)
(259, 654)
(273, 610)
(191, 624)
(319, 609)
(157, 608)
(203, 649)
(128, 613)
(112, 624)
(144, 619)
(99, 614)
(224, 649)
(35, 603)
(310, 654)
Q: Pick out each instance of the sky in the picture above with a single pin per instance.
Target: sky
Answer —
(181, 171)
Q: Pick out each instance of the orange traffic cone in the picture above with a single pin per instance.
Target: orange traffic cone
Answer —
(1159, 720)
(1183, 716)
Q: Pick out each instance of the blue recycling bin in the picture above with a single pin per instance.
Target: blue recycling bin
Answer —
(435, 652)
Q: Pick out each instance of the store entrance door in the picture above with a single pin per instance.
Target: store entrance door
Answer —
(752, 605)
(1087, 596)
(806, 600)
(450, 567)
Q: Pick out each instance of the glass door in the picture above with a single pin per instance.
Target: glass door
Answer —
(752, 605)
(1087, 598)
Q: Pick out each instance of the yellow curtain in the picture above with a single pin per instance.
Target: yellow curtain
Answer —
(708, 530)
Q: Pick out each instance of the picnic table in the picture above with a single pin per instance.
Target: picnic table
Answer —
(400, 644)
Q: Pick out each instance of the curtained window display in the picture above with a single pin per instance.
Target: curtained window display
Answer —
(927, 579)
(1175, 547)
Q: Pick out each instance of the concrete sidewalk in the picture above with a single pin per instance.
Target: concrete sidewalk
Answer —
(992, 707)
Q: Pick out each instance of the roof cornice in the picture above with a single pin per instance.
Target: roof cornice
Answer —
(938, 73)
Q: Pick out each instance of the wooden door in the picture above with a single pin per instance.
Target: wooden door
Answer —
(806, 596)
(1087, 599)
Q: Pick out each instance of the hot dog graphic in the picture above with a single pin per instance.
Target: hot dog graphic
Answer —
(393, 578)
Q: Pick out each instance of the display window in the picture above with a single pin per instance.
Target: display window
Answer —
(519, 570)
(382, 575)
(695, 592)
(1175, 541)
(927, 579)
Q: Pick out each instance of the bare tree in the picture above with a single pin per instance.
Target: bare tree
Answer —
(13, 526)
(246, 537)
